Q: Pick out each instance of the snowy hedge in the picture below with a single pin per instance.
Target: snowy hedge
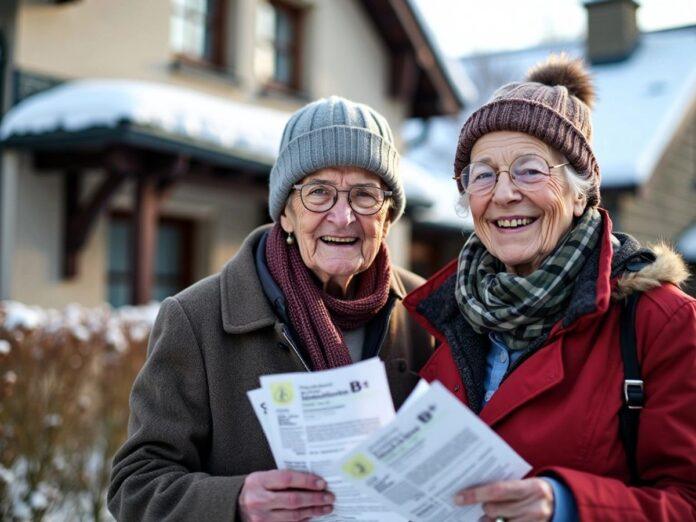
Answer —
(65, 376)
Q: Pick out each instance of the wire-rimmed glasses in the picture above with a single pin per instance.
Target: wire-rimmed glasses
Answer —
(363, 199)
(528, 172)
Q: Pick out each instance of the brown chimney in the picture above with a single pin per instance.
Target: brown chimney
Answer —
(612, 30)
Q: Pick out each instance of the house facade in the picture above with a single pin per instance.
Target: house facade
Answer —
(118, 183)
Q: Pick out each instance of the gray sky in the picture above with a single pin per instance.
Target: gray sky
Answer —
(469, 26)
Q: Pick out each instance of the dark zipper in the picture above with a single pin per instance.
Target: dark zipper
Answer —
(385, 329)
(288, 339)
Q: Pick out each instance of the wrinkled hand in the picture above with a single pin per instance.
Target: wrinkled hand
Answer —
(280, 495)
(519, 500)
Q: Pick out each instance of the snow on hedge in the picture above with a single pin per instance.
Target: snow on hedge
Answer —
(82, 322)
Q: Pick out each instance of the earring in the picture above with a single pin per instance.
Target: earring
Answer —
(290, 240)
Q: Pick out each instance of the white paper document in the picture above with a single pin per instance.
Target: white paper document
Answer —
(433, 448)
(314, 418)
(340, 424)
(261, 404)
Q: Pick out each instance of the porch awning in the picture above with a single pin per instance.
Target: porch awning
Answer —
(93, 114)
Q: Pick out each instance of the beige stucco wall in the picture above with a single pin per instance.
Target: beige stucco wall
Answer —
(345, 56)
(130, 39)
(102, 38)
(38, 236)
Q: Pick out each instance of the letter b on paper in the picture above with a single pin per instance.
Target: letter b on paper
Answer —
(356, 386)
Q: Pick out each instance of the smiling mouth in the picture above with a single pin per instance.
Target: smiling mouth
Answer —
(513, 223)
(338, 241)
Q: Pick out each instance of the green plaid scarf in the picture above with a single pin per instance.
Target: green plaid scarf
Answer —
(523, 309)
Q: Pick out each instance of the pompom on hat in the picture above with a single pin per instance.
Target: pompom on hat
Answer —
(553, 104)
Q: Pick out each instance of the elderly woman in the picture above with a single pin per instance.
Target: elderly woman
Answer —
(529, 319)
(316, 290)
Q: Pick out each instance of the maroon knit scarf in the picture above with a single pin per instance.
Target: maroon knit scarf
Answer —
(317, 317)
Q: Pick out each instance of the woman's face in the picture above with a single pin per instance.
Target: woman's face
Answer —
(337, 244)
(550, 208)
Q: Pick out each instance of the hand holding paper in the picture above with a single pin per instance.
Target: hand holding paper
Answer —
(284, 495)
(434, 448)
(530, 498)
(340, 424)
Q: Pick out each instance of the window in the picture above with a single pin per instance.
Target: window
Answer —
(277, 58)
(172, 265)
(197, 30)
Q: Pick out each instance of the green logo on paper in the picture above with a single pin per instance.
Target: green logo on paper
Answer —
(359, 467)
(282, 393)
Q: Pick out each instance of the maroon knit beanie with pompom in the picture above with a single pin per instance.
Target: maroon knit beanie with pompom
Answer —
(553, 104)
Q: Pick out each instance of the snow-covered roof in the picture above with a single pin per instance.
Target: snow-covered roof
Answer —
(249, 131)
(641, 101)
(687, 244)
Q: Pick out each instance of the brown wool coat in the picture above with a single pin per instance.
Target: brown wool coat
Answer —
(193, 436)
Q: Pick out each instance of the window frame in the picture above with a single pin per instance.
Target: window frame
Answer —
(187, 256)
(296, 15)
(216, 29)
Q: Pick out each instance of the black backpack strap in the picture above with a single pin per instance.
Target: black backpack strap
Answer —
(633, 392)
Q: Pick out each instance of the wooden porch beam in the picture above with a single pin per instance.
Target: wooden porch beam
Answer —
(145, 238)
(80, 218)
(171, 175)
(425, 56)
(404, 76)
(151, 191)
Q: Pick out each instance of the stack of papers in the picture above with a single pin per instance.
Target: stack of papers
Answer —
(340, 424)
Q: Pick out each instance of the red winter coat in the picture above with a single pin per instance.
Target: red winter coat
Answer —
(559, 408)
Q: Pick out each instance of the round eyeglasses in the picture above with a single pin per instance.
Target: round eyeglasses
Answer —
(320, 197)
(527, 172)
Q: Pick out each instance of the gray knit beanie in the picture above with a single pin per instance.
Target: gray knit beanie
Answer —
(554, 104)
(334, 132)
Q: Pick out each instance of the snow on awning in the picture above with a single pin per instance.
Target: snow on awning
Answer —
(687, 245)
(248, 131)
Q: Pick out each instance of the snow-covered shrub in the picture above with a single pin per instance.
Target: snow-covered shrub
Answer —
(65, 377)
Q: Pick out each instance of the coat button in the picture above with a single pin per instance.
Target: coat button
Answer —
(456, 387)
(402, 366)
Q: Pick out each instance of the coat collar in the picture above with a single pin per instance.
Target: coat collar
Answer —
(244, 305)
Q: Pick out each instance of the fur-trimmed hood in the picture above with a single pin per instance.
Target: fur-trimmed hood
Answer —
(668, 267)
